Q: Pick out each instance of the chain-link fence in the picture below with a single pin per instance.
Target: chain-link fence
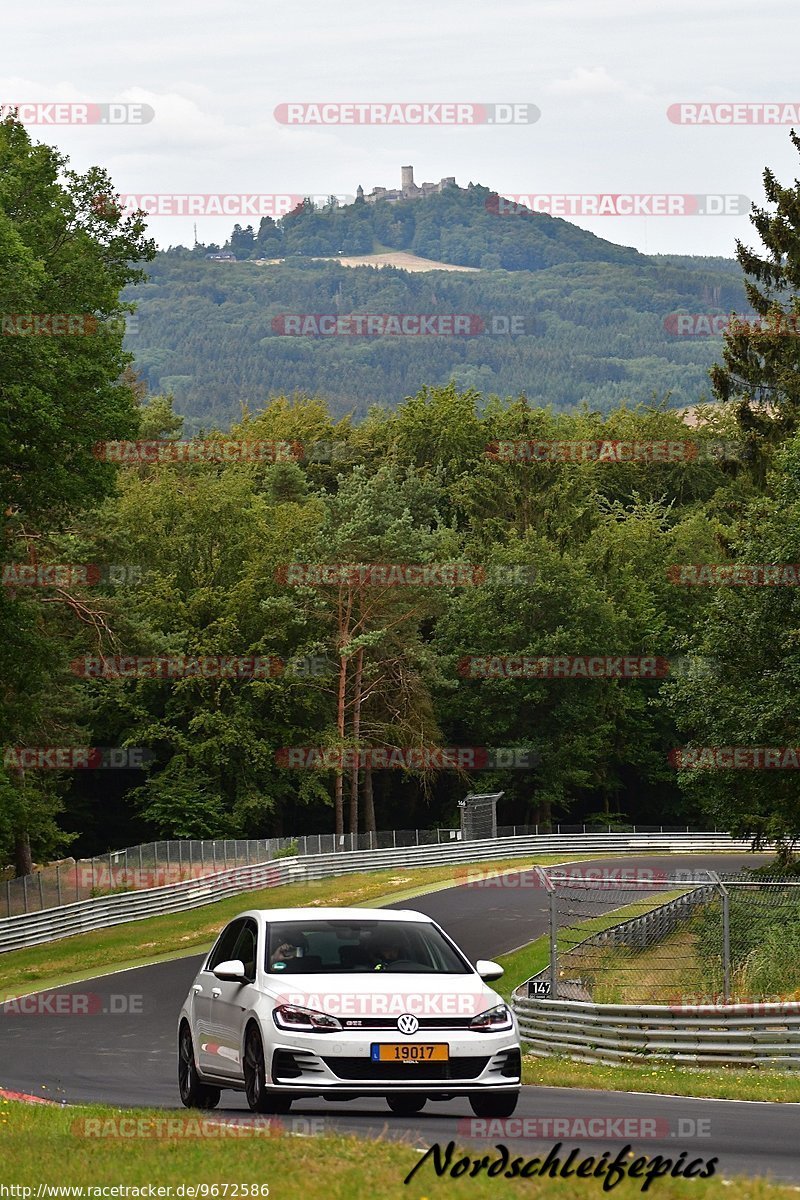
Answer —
(681, 939)
(641, 936)
(155, 864)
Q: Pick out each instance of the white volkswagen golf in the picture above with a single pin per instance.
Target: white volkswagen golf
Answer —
(346, 1002)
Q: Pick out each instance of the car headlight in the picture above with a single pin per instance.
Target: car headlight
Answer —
(494, 1020)
(304, 1020)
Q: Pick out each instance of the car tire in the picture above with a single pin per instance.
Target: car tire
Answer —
(259, 1096)
(405, 1104)
(194, 1093)
(494, 1104)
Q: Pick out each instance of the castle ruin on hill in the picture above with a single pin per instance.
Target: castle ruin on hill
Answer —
(408, 190)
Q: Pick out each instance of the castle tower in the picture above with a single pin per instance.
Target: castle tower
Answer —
(407, 179)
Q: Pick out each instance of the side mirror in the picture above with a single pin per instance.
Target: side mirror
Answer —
(232, 970)
(488, 970)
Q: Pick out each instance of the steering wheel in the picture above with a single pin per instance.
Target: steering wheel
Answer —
(403, 964)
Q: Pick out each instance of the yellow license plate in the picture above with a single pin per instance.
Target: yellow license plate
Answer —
(410, 1052)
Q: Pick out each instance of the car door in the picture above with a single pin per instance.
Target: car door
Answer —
(207, 991)
(230, 1001)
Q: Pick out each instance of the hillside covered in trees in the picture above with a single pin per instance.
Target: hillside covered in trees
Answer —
(458, 225)
(597, 329)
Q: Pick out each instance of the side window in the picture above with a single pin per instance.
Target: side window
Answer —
(245, 948)
(223, 951)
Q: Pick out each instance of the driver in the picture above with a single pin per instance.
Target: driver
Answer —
(386, 951)
(288, 949)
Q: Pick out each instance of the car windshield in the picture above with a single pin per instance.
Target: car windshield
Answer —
(401, 947)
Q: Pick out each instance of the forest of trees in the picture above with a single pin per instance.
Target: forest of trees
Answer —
(594, 331)
(577, 558)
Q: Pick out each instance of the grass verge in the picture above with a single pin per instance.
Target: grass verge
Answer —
(49, 1146)
(718, 1083)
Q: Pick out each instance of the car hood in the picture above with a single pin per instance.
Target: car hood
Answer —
(385, 994)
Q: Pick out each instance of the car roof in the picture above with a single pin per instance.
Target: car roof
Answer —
(341, 914)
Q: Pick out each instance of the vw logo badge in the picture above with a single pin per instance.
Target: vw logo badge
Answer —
(408, 1023)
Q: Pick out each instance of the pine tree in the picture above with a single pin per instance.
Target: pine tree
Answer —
(761, 371)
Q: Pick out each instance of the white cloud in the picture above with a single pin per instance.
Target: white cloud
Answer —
(587, 81)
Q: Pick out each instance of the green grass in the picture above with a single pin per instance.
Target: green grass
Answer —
(47, 1145)
(137, 943)
(721, 1083)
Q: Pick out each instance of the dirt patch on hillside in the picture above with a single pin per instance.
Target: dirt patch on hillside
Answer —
(391, 258)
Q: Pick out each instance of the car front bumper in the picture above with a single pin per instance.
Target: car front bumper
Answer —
(343, 1062)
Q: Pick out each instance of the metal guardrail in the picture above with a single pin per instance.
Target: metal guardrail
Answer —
(155, 864)
(32, 929)
(733, 1035)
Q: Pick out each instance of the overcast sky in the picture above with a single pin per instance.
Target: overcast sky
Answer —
(602, 72)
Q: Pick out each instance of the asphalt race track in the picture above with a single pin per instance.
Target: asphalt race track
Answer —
(122, 1052)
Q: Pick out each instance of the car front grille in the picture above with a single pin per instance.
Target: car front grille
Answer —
(464, 1067)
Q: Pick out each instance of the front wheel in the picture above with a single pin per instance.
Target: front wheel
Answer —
(493, 1104)
(259, 1097)
(194, 1093)
(406, 1104)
